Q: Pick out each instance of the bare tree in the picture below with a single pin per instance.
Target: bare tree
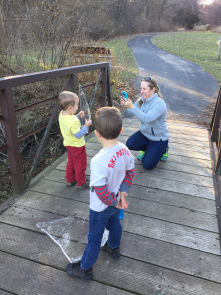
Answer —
(38, 34)
(163, 5)
(211, 14)
(187, 13)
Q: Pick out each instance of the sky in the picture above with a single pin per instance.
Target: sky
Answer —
(208, 2)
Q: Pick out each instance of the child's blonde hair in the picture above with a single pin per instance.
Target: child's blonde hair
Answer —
(66, 99)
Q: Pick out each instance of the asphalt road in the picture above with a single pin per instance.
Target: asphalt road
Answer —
(187, 89)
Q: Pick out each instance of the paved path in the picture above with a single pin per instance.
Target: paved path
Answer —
(187, 89)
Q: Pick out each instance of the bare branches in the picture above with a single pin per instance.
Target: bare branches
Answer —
(38, 34)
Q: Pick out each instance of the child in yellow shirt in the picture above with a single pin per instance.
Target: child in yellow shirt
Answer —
(73, 136)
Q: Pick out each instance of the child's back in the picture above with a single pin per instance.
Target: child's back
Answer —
(112, 171)
(109, 167)
(70, 125)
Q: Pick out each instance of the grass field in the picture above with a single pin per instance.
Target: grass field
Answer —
(122, 52)
(198, 47)
(124, 59)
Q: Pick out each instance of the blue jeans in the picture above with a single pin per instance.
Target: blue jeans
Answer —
(98, 221)
(153, 149)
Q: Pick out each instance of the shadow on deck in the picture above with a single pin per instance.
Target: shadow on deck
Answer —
(170, 242)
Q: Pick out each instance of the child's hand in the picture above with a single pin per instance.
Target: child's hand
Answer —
(88, 123)
(119, 206)
(124, 203)
(81, 114)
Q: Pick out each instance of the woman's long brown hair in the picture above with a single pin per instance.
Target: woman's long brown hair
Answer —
(152, 83)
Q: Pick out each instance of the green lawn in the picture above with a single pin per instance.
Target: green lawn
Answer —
(122, 52)
(123, 58)
(198, 47)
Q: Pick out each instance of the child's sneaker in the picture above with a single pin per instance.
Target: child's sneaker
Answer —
(71, 183)
(140, 156)
(75, 270)
(86, 185)
(165, 155)
(115, 253)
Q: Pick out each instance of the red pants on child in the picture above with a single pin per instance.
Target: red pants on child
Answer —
(76, 165)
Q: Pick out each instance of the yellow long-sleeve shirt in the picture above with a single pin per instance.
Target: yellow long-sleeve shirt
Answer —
(69, 126)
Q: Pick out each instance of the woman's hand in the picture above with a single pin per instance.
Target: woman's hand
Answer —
(129, 104)
(126, 104)
(122, 102)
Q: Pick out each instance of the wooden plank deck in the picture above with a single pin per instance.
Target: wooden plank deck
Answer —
(170, 242)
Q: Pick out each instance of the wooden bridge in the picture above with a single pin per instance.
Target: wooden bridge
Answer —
(170, 242)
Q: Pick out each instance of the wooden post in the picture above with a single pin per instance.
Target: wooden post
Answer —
(216, 117)
(14, 158)
(103, 87)
(72, 83)
(218, 161)
(109, 93)
(219, 49)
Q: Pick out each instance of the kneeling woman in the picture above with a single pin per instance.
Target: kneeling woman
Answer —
(152, 138)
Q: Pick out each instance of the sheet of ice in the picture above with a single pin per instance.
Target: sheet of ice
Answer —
(67, 230)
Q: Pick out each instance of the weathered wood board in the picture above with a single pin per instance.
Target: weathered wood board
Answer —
(170, 242)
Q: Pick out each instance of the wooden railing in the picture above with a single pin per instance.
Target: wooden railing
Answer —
(216, 132)
(9, 114)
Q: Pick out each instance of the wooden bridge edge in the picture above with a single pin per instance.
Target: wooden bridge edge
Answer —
(11, 200)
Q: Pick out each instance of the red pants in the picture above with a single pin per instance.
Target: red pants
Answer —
(76, 165)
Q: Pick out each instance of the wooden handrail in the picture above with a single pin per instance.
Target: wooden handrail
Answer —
(215, 131)
(9, 113)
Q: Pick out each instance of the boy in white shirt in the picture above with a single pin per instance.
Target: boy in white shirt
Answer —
(112, 172)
